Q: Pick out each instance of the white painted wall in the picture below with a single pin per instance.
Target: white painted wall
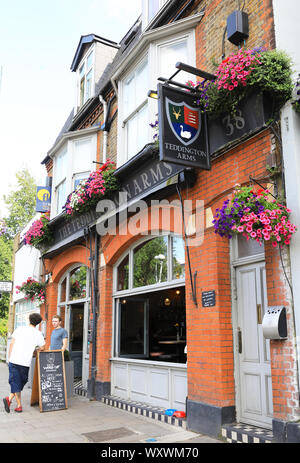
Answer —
(27, 264)
(287, 21)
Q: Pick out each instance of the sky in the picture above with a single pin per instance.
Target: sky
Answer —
(38, 40)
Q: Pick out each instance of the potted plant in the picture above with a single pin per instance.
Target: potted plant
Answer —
(33, 290)
(255, 215)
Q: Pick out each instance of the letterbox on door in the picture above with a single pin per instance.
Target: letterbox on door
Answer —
(274, 323)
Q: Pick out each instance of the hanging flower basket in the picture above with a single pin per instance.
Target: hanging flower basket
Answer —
(33, 290)
(87, 194)
(39, 234)
(255, 216)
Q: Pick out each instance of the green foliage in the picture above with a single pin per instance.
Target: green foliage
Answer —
(3, 327)
(21, 202)
(5, 271)
(273, 76)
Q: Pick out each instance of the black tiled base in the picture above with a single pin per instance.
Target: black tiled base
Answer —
(246, 434)
(143, 409)
(79, 390)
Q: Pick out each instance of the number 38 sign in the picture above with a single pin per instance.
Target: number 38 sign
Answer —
(251, 115)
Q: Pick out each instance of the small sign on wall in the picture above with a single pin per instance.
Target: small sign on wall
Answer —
(208, 298)
(43, 199)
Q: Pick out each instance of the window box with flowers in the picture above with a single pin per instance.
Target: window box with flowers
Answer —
(255, 216)
(250, 88)
(100, 183)
(39, 234)
(33, 290)
(245, 72)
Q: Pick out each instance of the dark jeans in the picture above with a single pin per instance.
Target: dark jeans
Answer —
(18, 377)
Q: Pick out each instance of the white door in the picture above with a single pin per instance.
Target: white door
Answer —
(86, 345)
(255, 384)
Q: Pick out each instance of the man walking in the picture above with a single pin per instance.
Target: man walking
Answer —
(24, 341)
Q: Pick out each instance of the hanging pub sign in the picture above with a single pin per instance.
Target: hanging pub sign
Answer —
(43, 198)
(183, 135)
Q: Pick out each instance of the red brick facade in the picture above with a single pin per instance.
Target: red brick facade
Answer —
(210, 340)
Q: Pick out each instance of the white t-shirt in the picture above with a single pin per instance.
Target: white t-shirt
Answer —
(27, 338)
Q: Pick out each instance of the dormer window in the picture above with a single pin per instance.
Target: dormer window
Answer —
(150, 9)
(86, 79)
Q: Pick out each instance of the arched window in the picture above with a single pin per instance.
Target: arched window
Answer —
(156, 261)
(74, 285)
(149, 293)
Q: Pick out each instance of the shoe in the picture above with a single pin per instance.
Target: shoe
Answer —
(6, 402)
(18, 409)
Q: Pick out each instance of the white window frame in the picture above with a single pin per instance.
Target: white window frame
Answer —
(152, 54)
(83, 62)
(124, 117)
(145, 11)
(70, 174)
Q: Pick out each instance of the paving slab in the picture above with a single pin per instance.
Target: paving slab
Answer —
(84, 421)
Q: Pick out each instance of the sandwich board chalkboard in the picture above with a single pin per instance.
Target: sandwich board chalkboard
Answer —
(49, 382)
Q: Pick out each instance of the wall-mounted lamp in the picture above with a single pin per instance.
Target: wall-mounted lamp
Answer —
(167, 301)
(123, 301)
(152, 94)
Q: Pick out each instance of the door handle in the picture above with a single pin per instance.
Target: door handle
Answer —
(240, 340)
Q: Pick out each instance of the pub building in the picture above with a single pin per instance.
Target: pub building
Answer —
(161, 310)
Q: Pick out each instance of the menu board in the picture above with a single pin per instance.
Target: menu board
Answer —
(49, 380)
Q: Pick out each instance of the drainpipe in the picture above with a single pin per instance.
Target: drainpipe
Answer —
(94, 262)
(104, 104)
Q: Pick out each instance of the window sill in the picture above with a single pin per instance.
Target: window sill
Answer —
(153, 363)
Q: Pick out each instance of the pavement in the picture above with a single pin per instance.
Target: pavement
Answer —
(85, 421)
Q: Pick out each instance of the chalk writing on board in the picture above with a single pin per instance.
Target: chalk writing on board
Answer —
(208, 299)
(52, 381)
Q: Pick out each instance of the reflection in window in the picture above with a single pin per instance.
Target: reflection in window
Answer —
(133, 328)
(150, 262)
(123, 274)
(178, 258)
(63, 291)
(78, 283)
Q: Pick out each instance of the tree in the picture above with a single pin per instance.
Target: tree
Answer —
(21, 202)
(5, 271)
(21, 207)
